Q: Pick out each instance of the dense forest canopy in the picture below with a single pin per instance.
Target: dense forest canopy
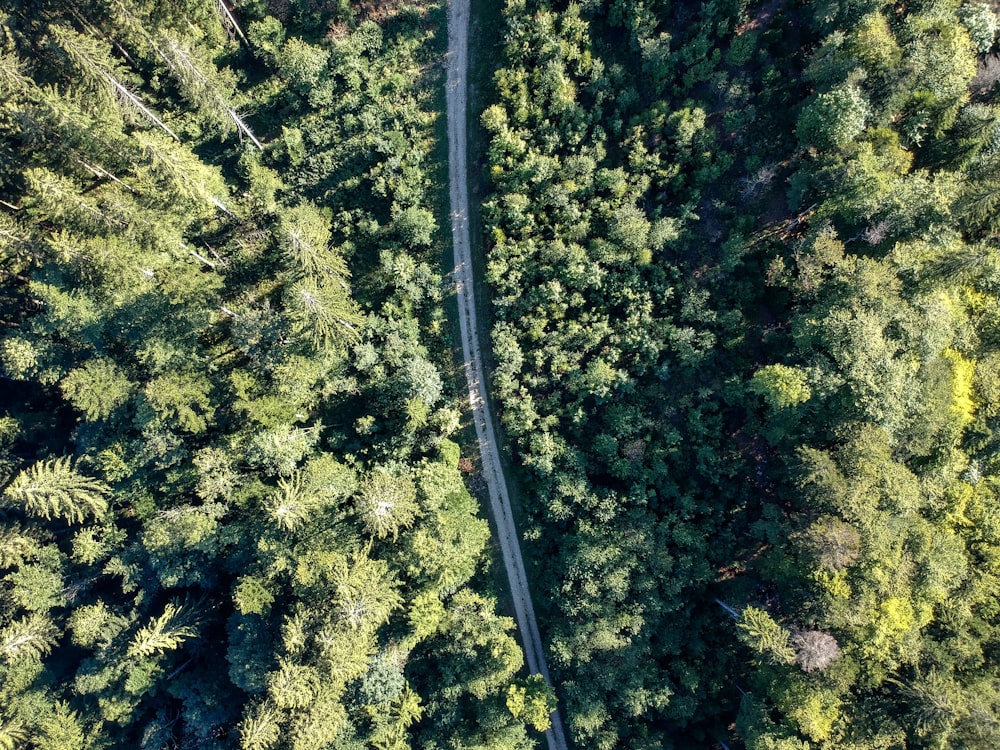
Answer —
(232, 513)
(743, 269)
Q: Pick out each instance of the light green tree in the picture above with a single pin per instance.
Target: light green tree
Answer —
(62, 729)
(29, 637)
(260, 728)
(533, 700)
(322, 311)
(980, 20)
(781, 386)
(164, 633)
(181, 399)
(304, 238)
(97, 388)
(833, 119)
(387, 503)
(54, 489)
(758, 630)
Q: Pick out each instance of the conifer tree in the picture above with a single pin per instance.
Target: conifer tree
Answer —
(387, 503)
(205, 86)
(29, 637)
(54, 489)
(164, 633)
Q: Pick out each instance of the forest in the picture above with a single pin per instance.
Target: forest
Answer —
(747, 326)
(742, 274)
(232, 509)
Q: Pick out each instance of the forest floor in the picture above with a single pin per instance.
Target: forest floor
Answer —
(456, 94)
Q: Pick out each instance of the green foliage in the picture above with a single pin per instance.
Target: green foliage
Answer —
(181, 400)
(62, 730)
(293, 504)
(304, 239)
(54, 489)
(534, 700)
(97, 388)
(386, 503)
(95, 625)
(182, 544)
(781, 386)
(182, 221)
(981, 22)
(759, 631)
(260, 728)
(876, 46)
(833, 119)
(223, 297)
(30, 637)
(164, 633)
(640, 277)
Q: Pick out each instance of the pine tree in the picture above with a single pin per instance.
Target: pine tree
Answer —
(62, 729)
(205, 86)
(95, 62)
(978, 208)
(293, 504)
(30, 637)
(16, 546)
(322, 310)
(387, 503)
(261, 727)
(304, 237)
(97, 388)
(12, 734)
(182, 399)
(164, 633)
(293, 686)
(366, 591)
(54, 489)
(178, 175)
(760, 632)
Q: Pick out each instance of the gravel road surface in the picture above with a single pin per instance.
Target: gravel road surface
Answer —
(457, 101)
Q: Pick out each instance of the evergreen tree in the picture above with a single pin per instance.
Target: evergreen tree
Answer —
(54, 489)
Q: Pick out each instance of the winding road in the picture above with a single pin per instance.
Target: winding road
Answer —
(457, 101)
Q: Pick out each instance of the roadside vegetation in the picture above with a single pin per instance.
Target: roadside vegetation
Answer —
(232, 510)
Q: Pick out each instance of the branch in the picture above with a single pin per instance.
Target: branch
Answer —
(202, 258)
(729, 610)
(141, 107)
(209, 87)
(243, 128)
(229, 21)
(102, 172)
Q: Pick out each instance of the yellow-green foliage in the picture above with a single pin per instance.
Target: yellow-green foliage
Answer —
(54, 489)
(874, 44)
(533, 700)
(963, 406)
(893, 619)
(816, 715)
(834, 583)
(781, 386)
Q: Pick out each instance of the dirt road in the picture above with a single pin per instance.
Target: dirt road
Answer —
(456, 94)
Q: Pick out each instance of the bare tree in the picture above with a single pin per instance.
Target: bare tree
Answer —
(814, 649)
(763, 177)
(229, 21)
(986, 76)
(877, 232)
